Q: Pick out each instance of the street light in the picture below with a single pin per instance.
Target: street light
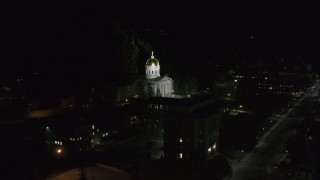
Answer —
(59, 151)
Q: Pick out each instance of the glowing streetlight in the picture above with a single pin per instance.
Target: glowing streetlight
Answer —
(59, 151)
(240, 106)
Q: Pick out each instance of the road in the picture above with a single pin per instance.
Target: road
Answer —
(269, 151)
(93, 173)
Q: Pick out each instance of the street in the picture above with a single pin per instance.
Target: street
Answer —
(270, 148)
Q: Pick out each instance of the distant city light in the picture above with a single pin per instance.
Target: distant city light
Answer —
(92, 126)
(240, 106)
(180, 140)
(47, 128)
(209, 149)
(235, 80)
(180, 155)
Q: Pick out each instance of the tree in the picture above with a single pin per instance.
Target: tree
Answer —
(126, 49)
(219, 167)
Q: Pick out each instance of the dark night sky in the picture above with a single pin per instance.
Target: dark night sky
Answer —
(52, 34)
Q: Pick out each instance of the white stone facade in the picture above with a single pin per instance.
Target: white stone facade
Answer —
(161, 86)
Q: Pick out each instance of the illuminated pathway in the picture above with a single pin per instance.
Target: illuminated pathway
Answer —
(270, 148)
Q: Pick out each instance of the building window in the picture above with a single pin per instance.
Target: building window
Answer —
(180, 140)
(180, 155)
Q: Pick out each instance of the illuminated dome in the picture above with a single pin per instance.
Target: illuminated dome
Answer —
(152, 68)
(152, 62)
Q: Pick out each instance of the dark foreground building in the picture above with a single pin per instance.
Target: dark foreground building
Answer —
(191, 127)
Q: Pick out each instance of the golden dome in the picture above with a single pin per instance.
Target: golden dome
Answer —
(152, 61)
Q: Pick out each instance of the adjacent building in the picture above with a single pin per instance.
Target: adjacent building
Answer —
(190, 126)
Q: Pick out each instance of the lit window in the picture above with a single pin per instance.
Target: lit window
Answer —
(214, 146)
(92, 126)
(61, 143)
(180, 155)
(70, 138)
(209, 149)
(180, 140)
(93, 133)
